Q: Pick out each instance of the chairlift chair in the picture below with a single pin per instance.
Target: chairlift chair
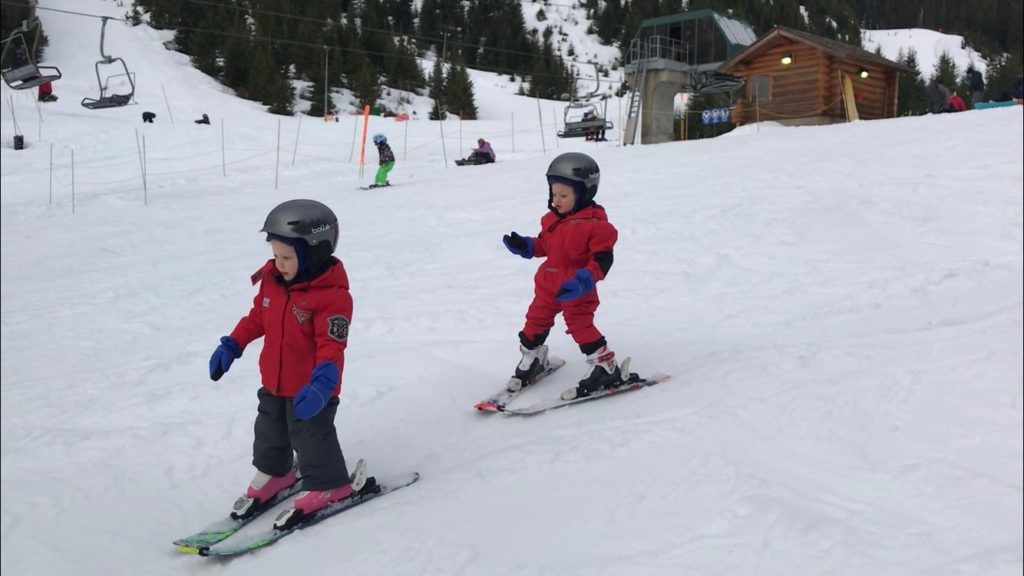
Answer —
(19, 69)
(109, 100)
(582, 119)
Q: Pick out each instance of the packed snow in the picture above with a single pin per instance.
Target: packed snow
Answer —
(841, 309)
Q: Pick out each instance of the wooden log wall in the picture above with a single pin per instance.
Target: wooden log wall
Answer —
(810, 86)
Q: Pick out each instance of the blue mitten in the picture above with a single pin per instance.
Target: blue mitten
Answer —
(223, 356)
(576, 286)
(314, 396)
(517, 244)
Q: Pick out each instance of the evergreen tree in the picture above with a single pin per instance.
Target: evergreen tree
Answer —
(1000, 76)
(375, 39)
(204, 49)
(912, 99)
(365, 85)
(238, 54)
(402, 16)
(945, 71)
(266, 84)
(609, 21)
(321, 84)
(550, 78)
(353, 57)
(441, 21)
(458, 89)
(496, 37)
(437, 91)
(404, 71)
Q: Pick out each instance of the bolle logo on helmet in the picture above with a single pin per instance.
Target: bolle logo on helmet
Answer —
(320, 228)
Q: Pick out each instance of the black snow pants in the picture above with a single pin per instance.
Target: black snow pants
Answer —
(278, 431)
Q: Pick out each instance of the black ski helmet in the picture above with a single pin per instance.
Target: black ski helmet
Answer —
(309, 220)
(579, 169)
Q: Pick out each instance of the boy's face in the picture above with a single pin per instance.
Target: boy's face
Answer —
(563, 197)
(285, 259)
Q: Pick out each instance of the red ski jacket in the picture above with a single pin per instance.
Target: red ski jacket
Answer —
(570, 243)
(303, 325)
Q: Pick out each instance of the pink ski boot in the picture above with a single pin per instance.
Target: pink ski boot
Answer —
(264, 488)
(311, 501)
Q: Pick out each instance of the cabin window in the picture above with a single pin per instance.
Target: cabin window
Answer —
(760, 88)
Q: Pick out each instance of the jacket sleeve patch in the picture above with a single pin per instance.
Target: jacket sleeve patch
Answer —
(337, 328)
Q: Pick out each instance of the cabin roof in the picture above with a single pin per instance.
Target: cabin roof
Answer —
(829, 46)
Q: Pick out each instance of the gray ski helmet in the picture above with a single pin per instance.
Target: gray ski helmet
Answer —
(577, 167)
(306, 219)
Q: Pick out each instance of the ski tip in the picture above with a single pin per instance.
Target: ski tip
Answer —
(188, 549)
(489, 407)
(389, 484)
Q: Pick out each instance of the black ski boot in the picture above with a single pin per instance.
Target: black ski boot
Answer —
(534, 362)
(604, 373)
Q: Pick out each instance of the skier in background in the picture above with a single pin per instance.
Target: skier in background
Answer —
(387, 161)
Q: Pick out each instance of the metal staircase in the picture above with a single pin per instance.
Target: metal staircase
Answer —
(636, 94)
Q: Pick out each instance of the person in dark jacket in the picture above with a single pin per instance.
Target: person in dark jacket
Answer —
(977, 86)
(302, 312)
(576, 239)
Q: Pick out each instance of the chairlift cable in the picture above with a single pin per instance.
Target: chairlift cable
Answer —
(332, 46)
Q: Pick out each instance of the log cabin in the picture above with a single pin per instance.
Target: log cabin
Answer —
(797, 78)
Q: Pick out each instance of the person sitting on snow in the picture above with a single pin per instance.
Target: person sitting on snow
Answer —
(482, 154)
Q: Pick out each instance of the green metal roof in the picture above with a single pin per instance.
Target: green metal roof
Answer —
(737, 33)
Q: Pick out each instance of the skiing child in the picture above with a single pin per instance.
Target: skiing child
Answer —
(387, 161)
(302, 310)
(577, 241)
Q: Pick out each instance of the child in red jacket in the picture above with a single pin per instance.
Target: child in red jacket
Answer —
(577, 240)
(302, 311)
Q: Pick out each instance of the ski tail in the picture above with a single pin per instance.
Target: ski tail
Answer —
(502, 398)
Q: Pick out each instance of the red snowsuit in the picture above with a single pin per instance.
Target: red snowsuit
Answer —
(303, 324)
(569, 244)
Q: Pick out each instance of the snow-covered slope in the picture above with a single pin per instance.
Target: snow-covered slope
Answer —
(840, 308)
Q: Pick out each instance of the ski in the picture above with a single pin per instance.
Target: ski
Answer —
(247, 543)
(375, 186)
(500, 399)
(223, 529)
(635, 382)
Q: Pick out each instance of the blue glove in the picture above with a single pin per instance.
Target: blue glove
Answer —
(517, 244)
(223, 356)
(577, 286)
(314, 396)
